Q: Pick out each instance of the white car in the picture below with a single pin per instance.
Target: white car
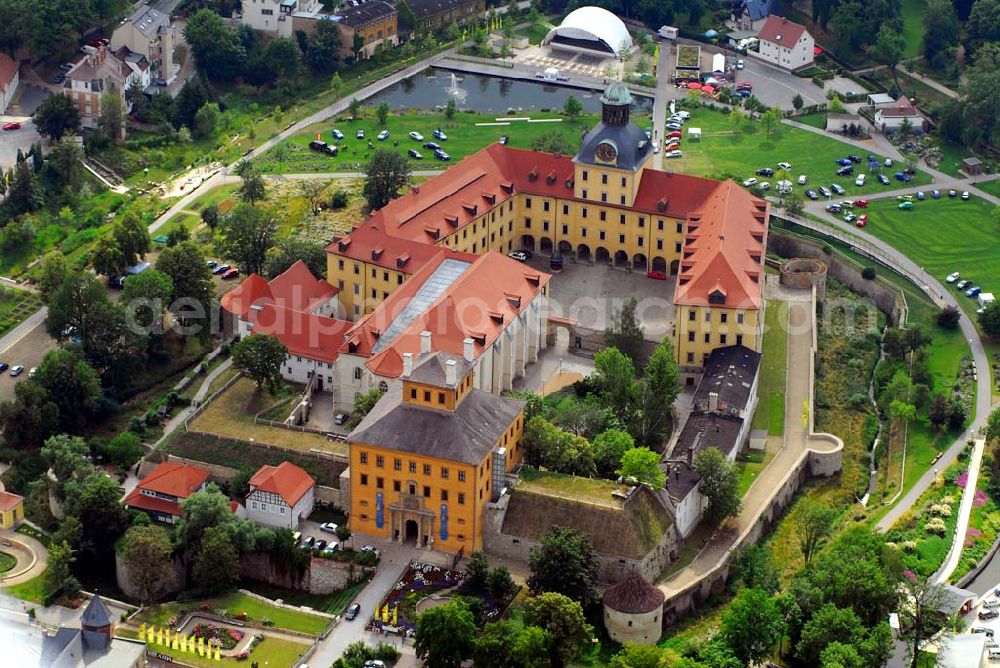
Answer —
(382, 136)
(673, 154)
(952, 277)
(860, 181)
(765, 185)
(750, 182)
(683, 114)
(328, 527)
(739, 63)
(374, 550)
(656, 146)
(520, 256)
(802, 179)
(417, 136)
(784, 165)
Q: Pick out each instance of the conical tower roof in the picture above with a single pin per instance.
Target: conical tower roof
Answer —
(633, 596)
(96, 615)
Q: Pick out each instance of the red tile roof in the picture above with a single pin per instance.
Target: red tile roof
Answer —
(479, 304)
(781, 31)
(286, 480)
(9, 500)
(672, 194)
(902, 108)
(252, 289)
(370, 243)
(8, 68)
(174, 479)
(136, 499)
(304, 334)
(298, 289)
(724, 250)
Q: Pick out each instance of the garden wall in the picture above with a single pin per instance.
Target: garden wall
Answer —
(170, 581)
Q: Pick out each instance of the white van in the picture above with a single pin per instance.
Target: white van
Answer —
(860, 181)
(995, 655)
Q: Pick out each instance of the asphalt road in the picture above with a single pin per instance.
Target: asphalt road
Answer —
(26, 344)
(12, 140)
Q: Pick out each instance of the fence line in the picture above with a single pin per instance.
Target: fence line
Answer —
(311, 452)
(205, 403)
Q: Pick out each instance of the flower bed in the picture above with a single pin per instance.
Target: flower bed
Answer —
(924, 534)
(417, 583)
(224, 636)
(984, 525)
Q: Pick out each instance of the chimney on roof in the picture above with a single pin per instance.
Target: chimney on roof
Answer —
(713, 401)
(468, 349)
(407, 364)
(425, 342)
(451, 373)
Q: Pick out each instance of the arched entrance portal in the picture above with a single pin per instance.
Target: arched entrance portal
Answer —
(528, 243)
(601, 255)
(545, 246)
(566, 248)
(639, 262)
(411, 532)
(674, 266)
(583, 252)
(621, 259)
(659, 264)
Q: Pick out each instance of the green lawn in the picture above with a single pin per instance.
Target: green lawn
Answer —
(35, 590)
(237, 603)
(943, 236)
(333, 604)
(593, 490)
(464, 138)
(750, 470)
(29, 530)
(535, 32)
(274, 652)
(725, 150)
(15, 307)
(991, 187)
(817, 119)
(913, 26)
(7, 562)
(770, 412)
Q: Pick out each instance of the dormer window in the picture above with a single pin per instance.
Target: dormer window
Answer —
(716, 297)
(533, 175)
(490, 197)
(470, 207)
(343, 244)
(376, 253)
(551, 178)
(433, 231)
(661, 204)
(402, 260)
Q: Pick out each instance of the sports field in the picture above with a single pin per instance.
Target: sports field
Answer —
(943, 236)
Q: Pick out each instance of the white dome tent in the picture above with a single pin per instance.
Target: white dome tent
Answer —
(590, 30)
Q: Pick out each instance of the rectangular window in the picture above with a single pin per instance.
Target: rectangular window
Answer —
(364, 479)
(642, 221)
(584, 176)
(723, 317)
(604, 197)
(659, 244)
(722, 339)
(622, 200)
(691, 316)
(364, 457)
(565, 209)
(461, 476)
(621, 238)
(690, 358)
(427, 492)
(396, 486)
(739, 339)
(565, 230)
(413, 393)
(397, 464)
(444, 495)
(427, 469)
(584, 193)
(603, 215)
(527, 202)
(461, 498)
(659, 224)
(641, 241)
(427, 396)
(708, 337)
(680, 227)
(677, 247)
(379, 483)
(413, 466)
(441, 398)
(739, 318)
(604, 179)
(583, 232)
(708, 315)
(444, 473)
(379, 462)
(545, 205)
(527, 223)
(690, 337)
(583, 212)
(601, 234)
(624, 182)
(621, 218)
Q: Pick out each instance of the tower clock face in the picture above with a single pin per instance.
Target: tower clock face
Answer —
(606, 152)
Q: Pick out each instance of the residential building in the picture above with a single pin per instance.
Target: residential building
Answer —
(10, 77)
(95, 74)
(880, 100)
(92, 645)
(431, 454)
(606, 205)
(280, 496)
(722, 411)
(750, 14)
(786, 44)
(11, 510)
(161, 492)
(148, 32)
(490, 310)
(428, 15)
(277, 17)
(893, 118)
(374, 21)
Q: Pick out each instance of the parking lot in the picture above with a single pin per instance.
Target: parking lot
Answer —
(12, 140)
(28, 345)
(590, 294)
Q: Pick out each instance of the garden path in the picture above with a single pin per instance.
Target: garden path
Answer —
(32, 557)
(964, 510)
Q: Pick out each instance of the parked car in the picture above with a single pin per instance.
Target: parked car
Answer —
(824, 192)
(59, 78)
(749, 182)
(833, 208)
(980, 629)
(739, 63)
(921, 196)
(673, 154)
(382, 136)
(220, 269)
(360, 134)
(16, 370)
(844, 162)
(673, 134)
(432, 145)
(883, 179)
(764, 186)
(845, 171)
(952, 193)
(765, 171)
(784, 165)
(340, 418)
(952, 277)
(902, 176)
(904, 198)
(802, 179)
(837, 189)
(441, 155)
(849, 217)
(862, 203)
(319, 545)
(415, 154)
(439, 135)
(231, 274)
(352, 612)
(965, 195)
(988, 614)
(862, 220)
(4, 366)
(811, 194)
(416, 136)
(961, 285)
(973, 291)
(13, 125)
(307, 543)
(888, 162)
(374, 550)
(856, 159)
(520, 256)
(212, 264)
(936, 194)
(337, 134)
(683, 114)
(905, 205)
(656, 275)
(860, 181)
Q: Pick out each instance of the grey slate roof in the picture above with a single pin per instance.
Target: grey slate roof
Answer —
(423, 8)
(54, 646)
(629, 140)
(729, 372)
(374, 9)
(430, 369)
(466, 435)
(96, 614)
(701, 431)
(148, 20)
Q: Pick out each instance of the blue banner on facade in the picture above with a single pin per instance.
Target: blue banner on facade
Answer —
(444, 521)
(379, 511)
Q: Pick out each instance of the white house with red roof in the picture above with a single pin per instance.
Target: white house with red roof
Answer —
(891, 118)
(161, 492)
(280, 496)
(10, 77)
(786, 43)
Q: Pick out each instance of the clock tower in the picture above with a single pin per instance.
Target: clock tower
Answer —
(613, 153)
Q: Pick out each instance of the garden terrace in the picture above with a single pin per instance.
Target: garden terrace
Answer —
(239, 607)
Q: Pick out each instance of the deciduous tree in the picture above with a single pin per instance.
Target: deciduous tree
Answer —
(147, 553)
(644, 465)
(446, 635)
(815, 524)
(720, 483)
(72, 384)
(216, 565)
(625, 331)
(29, 417)
(247, 234)
(751, 624)
(56, 116)
(289, 251)
(564, 562)
(562, 618)
(505, 645)
(385, 175)
(259, 357)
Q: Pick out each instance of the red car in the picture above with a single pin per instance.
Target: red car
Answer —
(231, 274)
(862, 220)
(12, 126)
(861, 203)
(672, 146)
(656, 275)
(674, 134)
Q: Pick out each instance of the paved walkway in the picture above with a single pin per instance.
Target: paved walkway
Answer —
(964, 510)
(794, 445)
(661, 102)
(32, 558)
(939, 87)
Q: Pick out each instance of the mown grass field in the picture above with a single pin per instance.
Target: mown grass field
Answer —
(235, 604)
(913, 26)
(770, 413)
(728, 150)
(943, 236)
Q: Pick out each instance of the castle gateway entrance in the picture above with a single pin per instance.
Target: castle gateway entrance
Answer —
(410, 522)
